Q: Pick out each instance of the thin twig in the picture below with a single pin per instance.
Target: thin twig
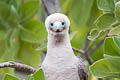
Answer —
(57, 5)
(79, 51)
(85, 49)
(18, 66)
(91, 45)
(86, 42)
(96, 47)
(84, 53)
(88, 58)
(45, 7)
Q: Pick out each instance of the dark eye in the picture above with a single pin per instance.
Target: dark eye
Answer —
(63, 23)
(51, 24)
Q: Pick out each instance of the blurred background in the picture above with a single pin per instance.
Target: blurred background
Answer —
(94, 33)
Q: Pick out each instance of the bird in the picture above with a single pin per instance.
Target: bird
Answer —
(60, 62)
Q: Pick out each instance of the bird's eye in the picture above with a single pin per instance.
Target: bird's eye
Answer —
(51, 24)
(63, 23)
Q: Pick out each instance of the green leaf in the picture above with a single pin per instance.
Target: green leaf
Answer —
(93, 34)
(10, 77)
(95, 12)
(4, 11)
(96, 34)
(114, 62)
(98, 54)
(2, 34)
(105, 21)
(4, 24)
(11, 46)
(29, 9)
(116, 1)
(67, 6)
(106, 5)
(30, 78)
(117, 10)
(80, 11)
(117, 41)
(102, 68)
(110, 47)
(42, 47)
(115, 31)
(39, 75)
(28, 55)
(80, 37)
(34, 32)
(11, 2)
(14, 17)
(8, 15)
(2, 47)
(72, 35)
(7, 52)
(18, 2)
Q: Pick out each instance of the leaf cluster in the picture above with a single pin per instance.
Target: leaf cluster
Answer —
(21, 33)
(108, 24)
(39, 75)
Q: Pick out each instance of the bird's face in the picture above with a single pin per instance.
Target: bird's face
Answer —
(57, 23)
(57, 26)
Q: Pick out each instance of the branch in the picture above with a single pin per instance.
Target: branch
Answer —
(91, 45)
(18, 66)
(79, 51)
(45, 7)
(85, 47)
(57, 5)
(88, 58)
(96, 47)
(85, 50)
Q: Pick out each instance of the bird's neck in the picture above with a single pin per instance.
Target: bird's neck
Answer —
(59, 40)
(59, 47)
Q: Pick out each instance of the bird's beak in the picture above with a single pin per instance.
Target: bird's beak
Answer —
(57, 25)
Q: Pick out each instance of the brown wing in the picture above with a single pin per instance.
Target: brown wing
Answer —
(82, 71)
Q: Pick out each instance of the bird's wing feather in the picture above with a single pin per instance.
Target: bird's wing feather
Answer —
(82, 71)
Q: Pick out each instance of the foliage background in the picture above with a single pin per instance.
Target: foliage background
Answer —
(23, 36)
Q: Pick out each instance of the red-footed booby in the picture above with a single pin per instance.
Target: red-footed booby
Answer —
(60, 62)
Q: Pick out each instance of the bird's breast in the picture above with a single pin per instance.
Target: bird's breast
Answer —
(61, 71)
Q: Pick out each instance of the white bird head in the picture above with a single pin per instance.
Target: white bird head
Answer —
(57, 23)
